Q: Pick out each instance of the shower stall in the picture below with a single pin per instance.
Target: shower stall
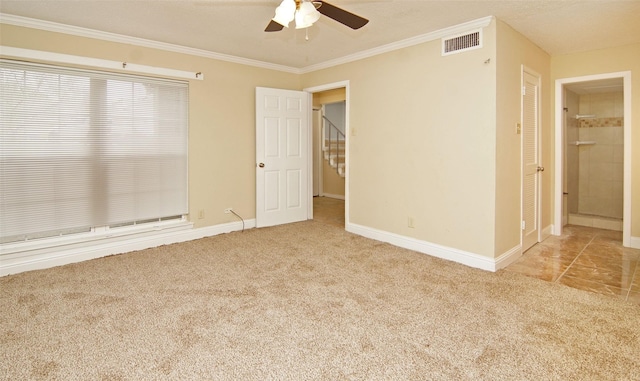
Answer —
(594, 154)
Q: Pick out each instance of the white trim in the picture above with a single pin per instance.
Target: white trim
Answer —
(460, 28)
(58, 256)
(634, 242)
(434, 250)
(508, 257)
(336, 196)
(95, 235)
(119, 38)
(546, 232)
(310, 157)
(39, 55)
(558, 197)
(559, 149)
(347, 134)
(321, 143)
(113, 37)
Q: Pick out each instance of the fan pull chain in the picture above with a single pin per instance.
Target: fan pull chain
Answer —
(306, 36)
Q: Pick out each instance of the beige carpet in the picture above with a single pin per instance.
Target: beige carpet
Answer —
(305, 301)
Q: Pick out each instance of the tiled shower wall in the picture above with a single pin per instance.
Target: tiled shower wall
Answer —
(601, 164)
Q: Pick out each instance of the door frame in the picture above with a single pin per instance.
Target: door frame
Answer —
(319, 156)
(317, 89)
(538, 196)
(560, 143)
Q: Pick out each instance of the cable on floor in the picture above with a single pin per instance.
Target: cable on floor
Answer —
(241, 219)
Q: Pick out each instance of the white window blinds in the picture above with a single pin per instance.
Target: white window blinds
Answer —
(83, 149)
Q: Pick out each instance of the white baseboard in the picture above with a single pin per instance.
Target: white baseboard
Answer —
(635, 242)
(42, 259)
(435, 250)
(509, 257)
(337, 196)
(62, 255)
(546, 232)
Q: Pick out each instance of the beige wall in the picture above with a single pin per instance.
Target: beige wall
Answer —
(513, 51)
(441, 146)
(329, 96)
(433, 138)
(221, 116)
(332, 183)
(424, 143)
(623, 58)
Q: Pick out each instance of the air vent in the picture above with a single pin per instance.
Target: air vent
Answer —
(462, 42)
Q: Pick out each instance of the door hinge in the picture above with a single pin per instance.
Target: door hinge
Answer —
(524, 224)
(524, 90)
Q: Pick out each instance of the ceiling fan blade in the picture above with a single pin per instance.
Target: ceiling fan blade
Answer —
(273, 27)
(347, 18)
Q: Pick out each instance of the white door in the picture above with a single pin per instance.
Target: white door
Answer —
(282, 173)
(531, 171)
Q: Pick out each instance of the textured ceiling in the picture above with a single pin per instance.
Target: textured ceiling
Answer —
(612, 85)
(236, 27)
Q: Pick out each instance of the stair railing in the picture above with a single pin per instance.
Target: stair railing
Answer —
(330, 145)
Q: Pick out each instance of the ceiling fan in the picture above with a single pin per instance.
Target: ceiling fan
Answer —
(306, 12)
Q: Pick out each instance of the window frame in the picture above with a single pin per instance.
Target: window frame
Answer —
(133, 227)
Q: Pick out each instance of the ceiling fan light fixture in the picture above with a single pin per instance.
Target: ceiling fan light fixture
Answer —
(285, 12)
(306, 15)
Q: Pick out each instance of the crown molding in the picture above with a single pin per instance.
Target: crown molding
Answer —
(113, 37)
(445, 32)
(39, 55)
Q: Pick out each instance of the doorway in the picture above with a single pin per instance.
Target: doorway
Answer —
(329, 142)
(330, 172)
(593, 154)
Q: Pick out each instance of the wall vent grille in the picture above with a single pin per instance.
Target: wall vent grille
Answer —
(462, 42)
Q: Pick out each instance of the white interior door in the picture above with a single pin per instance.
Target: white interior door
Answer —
(531, 171)
(282, 158)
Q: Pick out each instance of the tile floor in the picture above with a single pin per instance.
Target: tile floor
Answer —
(583, 257)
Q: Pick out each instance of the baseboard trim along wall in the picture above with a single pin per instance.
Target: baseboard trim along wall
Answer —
(509, 257)
(435, 250)
(546, 232)
(336, 196)
(63, 255)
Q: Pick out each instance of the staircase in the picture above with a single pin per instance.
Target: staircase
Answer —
(334, 146)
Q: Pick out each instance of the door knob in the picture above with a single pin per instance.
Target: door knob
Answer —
(540, 169)
(261, 165)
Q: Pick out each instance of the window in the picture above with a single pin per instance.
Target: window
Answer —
(85, 150)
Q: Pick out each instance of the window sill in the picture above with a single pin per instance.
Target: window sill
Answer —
(83, 239)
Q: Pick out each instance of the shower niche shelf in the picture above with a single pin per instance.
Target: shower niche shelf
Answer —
(582, 143)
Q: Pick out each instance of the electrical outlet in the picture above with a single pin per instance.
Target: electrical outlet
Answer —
(410, 222)
(201, 214)
(228, 210)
